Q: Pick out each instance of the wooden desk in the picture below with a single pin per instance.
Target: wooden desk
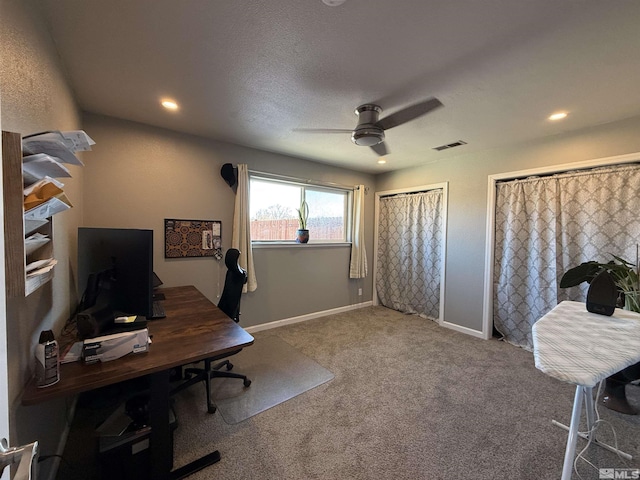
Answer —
(193, 330)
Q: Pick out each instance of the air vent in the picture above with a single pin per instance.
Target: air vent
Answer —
(450, 145)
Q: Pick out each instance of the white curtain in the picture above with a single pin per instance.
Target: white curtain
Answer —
(547, 225)
(242, 228)
(358, 263)
(410, 235)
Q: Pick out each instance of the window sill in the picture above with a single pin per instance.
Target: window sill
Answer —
(311, 244)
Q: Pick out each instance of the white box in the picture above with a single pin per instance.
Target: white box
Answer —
(111, 347)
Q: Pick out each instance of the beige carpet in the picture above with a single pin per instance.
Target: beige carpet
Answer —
(278, 372)
(410, 400)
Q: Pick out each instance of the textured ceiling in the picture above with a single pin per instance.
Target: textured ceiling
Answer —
(250, 72)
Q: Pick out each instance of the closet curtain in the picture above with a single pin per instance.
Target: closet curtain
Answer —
(547, 225)
(409, 252)
(241, 238)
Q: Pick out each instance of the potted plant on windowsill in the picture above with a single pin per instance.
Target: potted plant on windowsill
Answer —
(303, 214)
(624, 273)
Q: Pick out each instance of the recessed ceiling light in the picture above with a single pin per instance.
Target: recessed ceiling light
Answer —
(333, 3)
(558, 116)
(381, 161)
(169, 104)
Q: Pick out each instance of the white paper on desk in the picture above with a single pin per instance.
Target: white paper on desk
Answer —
(49, 208)
(53, 144)
(40, 266)
(74, 354)
(34, 242)
(41, 165)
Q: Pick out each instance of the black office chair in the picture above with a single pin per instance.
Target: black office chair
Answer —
(230, 304)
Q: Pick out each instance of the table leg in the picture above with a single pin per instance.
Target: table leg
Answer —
(590, 416)
(161, 452)
(570, 451)
(161, 445)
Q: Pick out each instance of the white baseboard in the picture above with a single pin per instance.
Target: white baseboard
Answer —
(304, 318)
(466, 330)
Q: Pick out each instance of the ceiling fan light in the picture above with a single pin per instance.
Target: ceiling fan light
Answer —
(367, 137)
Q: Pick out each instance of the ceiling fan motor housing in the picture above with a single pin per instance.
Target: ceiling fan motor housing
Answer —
(366, 132)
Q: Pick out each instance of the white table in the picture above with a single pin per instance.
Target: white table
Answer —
(583, 348)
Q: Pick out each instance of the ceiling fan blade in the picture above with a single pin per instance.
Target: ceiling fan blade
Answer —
(380, 149)
(321, 130)
(408, 114)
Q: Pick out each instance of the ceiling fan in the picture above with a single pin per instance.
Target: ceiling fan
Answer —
(370, 130)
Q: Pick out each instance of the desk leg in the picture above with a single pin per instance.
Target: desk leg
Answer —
(161, 454)
(161, 451)
(570, 452)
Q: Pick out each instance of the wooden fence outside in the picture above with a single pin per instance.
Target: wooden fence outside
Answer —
(324, 228)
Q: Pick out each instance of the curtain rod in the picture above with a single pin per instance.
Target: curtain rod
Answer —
(307, 181)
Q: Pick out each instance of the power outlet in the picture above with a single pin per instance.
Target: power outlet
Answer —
(359, 292)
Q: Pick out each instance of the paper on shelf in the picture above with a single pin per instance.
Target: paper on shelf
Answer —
(38, 264)
(45, 201)
(31, 226)
(48, 209)
(34, 187)
(40, 165)
(40, 267)
(53, 144)
(79, 140)
(34, 242)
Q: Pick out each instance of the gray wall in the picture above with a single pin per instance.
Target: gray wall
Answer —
(35, 97)
(137, 175)
(468, 176)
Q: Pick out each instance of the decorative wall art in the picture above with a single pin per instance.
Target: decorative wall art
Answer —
(192, 238)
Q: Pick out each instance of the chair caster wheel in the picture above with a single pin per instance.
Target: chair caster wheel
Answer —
(211, 409)
(246, 383)
(229, 366)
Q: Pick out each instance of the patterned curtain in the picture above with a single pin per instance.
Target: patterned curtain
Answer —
(547, 225)
(409, 252)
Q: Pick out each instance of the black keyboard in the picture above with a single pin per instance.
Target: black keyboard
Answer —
(157, 311)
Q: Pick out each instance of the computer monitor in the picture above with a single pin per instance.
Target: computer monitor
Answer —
(119, 260)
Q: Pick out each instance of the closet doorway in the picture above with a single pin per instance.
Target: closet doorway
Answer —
(541, 222)
(410, 250)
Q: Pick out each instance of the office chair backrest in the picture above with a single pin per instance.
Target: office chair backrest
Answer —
(236, 277)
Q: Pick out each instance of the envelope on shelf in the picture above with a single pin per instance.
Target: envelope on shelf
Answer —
(45, 201)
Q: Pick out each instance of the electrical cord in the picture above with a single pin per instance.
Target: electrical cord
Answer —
(592, 436)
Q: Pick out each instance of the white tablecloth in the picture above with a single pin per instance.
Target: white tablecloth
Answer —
(583, 348)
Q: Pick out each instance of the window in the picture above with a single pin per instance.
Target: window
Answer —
(273, 205)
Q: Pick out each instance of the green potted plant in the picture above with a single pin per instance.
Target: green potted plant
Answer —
(303, 214)
(624, 273)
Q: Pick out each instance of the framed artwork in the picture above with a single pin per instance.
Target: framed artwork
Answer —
(192, 238)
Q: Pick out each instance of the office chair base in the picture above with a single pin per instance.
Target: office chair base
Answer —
(246, 383)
